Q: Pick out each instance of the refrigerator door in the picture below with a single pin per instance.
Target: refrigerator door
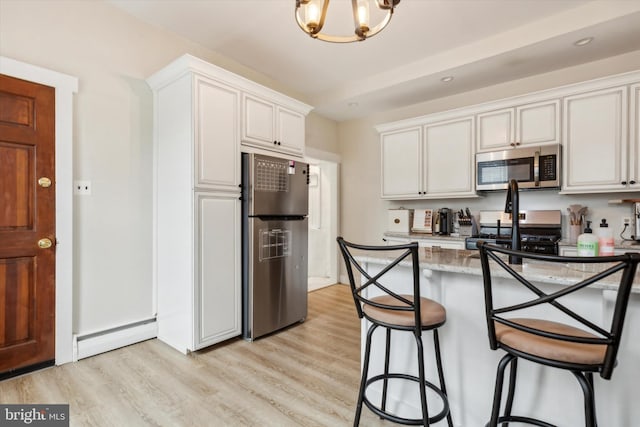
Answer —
(277, 187)
(277, 285)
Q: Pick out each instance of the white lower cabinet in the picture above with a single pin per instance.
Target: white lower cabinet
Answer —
(217, 299)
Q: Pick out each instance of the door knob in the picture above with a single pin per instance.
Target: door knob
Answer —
(45, 243)
(44, 182)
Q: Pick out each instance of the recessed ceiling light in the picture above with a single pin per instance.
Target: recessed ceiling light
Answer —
(583, 41)
(352, 104)
(446, 79)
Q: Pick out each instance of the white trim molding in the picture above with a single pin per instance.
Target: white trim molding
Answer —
(65, 86)
(91, 344)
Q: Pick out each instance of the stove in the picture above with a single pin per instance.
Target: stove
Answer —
(540, 230)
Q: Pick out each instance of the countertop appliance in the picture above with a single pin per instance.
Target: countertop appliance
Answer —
(532, 167)
(275, 198)
(443, 222)
(540, 230)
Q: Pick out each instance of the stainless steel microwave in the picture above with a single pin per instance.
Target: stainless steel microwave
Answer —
(532, 167)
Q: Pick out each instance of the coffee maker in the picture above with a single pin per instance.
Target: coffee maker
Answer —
(443, 222)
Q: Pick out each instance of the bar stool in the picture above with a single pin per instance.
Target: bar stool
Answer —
(395, 312)
(582, 351)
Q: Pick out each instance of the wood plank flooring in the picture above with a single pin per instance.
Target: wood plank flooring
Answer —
(306, 375)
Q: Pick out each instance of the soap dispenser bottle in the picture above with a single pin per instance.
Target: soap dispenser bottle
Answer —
(587, 242)
(605, 239)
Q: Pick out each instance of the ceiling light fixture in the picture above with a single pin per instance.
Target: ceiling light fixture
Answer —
(446, 79)
(583, 41)
(311, 14)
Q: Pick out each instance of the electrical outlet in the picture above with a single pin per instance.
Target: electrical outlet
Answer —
(82, 188)
(626, 221)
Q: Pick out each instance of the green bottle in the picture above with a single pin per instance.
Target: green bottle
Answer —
(587, 242)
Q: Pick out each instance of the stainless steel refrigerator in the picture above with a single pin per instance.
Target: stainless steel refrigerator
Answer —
(275, 198)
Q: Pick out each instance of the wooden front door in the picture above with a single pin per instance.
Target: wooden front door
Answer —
(27, 225)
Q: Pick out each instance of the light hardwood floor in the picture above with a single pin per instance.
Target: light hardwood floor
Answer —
(306, 375)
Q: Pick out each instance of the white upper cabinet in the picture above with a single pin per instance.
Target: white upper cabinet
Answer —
(217, 139)
(597, 124)
(431, 161)
(271, 126)
(595, 142)
(634, 137)
(401, 156)
(535, 123)
(449, 158)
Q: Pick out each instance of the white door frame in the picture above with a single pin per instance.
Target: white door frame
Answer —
(312, 154)
(65, 86)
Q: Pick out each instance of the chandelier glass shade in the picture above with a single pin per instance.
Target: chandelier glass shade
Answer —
(311, 15)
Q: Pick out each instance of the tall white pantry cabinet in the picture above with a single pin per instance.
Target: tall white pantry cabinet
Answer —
(196, 208)
(197, 241)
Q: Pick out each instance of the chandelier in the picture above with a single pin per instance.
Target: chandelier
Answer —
(311, 15)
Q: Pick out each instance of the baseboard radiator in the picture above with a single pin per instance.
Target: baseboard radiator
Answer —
(100, 342)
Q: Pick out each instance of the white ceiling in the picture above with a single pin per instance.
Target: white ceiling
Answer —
(479, 42)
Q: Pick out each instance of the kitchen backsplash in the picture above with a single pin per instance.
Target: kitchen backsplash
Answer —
(598, 204)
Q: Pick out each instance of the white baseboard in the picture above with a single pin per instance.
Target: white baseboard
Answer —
(111, 339)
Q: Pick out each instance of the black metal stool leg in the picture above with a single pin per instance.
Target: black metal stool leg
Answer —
(421, 377)
(589, 376)
(436, 344)
(497, 395)
(512, 389)
(385, 382)
(365, 373)
(589, 400)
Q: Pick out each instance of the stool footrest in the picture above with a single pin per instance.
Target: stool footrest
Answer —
(525, 420)
(401, 420)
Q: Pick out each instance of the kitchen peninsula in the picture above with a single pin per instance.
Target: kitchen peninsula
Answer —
(454, 278)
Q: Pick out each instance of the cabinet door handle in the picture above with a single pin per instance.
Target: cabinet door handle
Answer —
(624, 183)
(275, 142)
(632, 182)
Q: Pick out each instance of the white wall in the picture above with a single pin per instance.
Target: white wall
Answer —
(112, 54)
(364, 213)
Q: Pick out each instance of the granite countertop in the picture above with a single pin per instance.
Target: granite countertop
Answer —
(419, 236)
(619, 244)
(467, 262)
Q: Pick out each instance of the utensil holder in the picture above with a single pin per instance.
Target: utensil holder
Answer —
(574, 232)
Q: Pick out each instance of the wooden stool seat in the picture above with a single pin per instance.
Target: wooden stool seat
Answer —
(432, 313)
(550, 348)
